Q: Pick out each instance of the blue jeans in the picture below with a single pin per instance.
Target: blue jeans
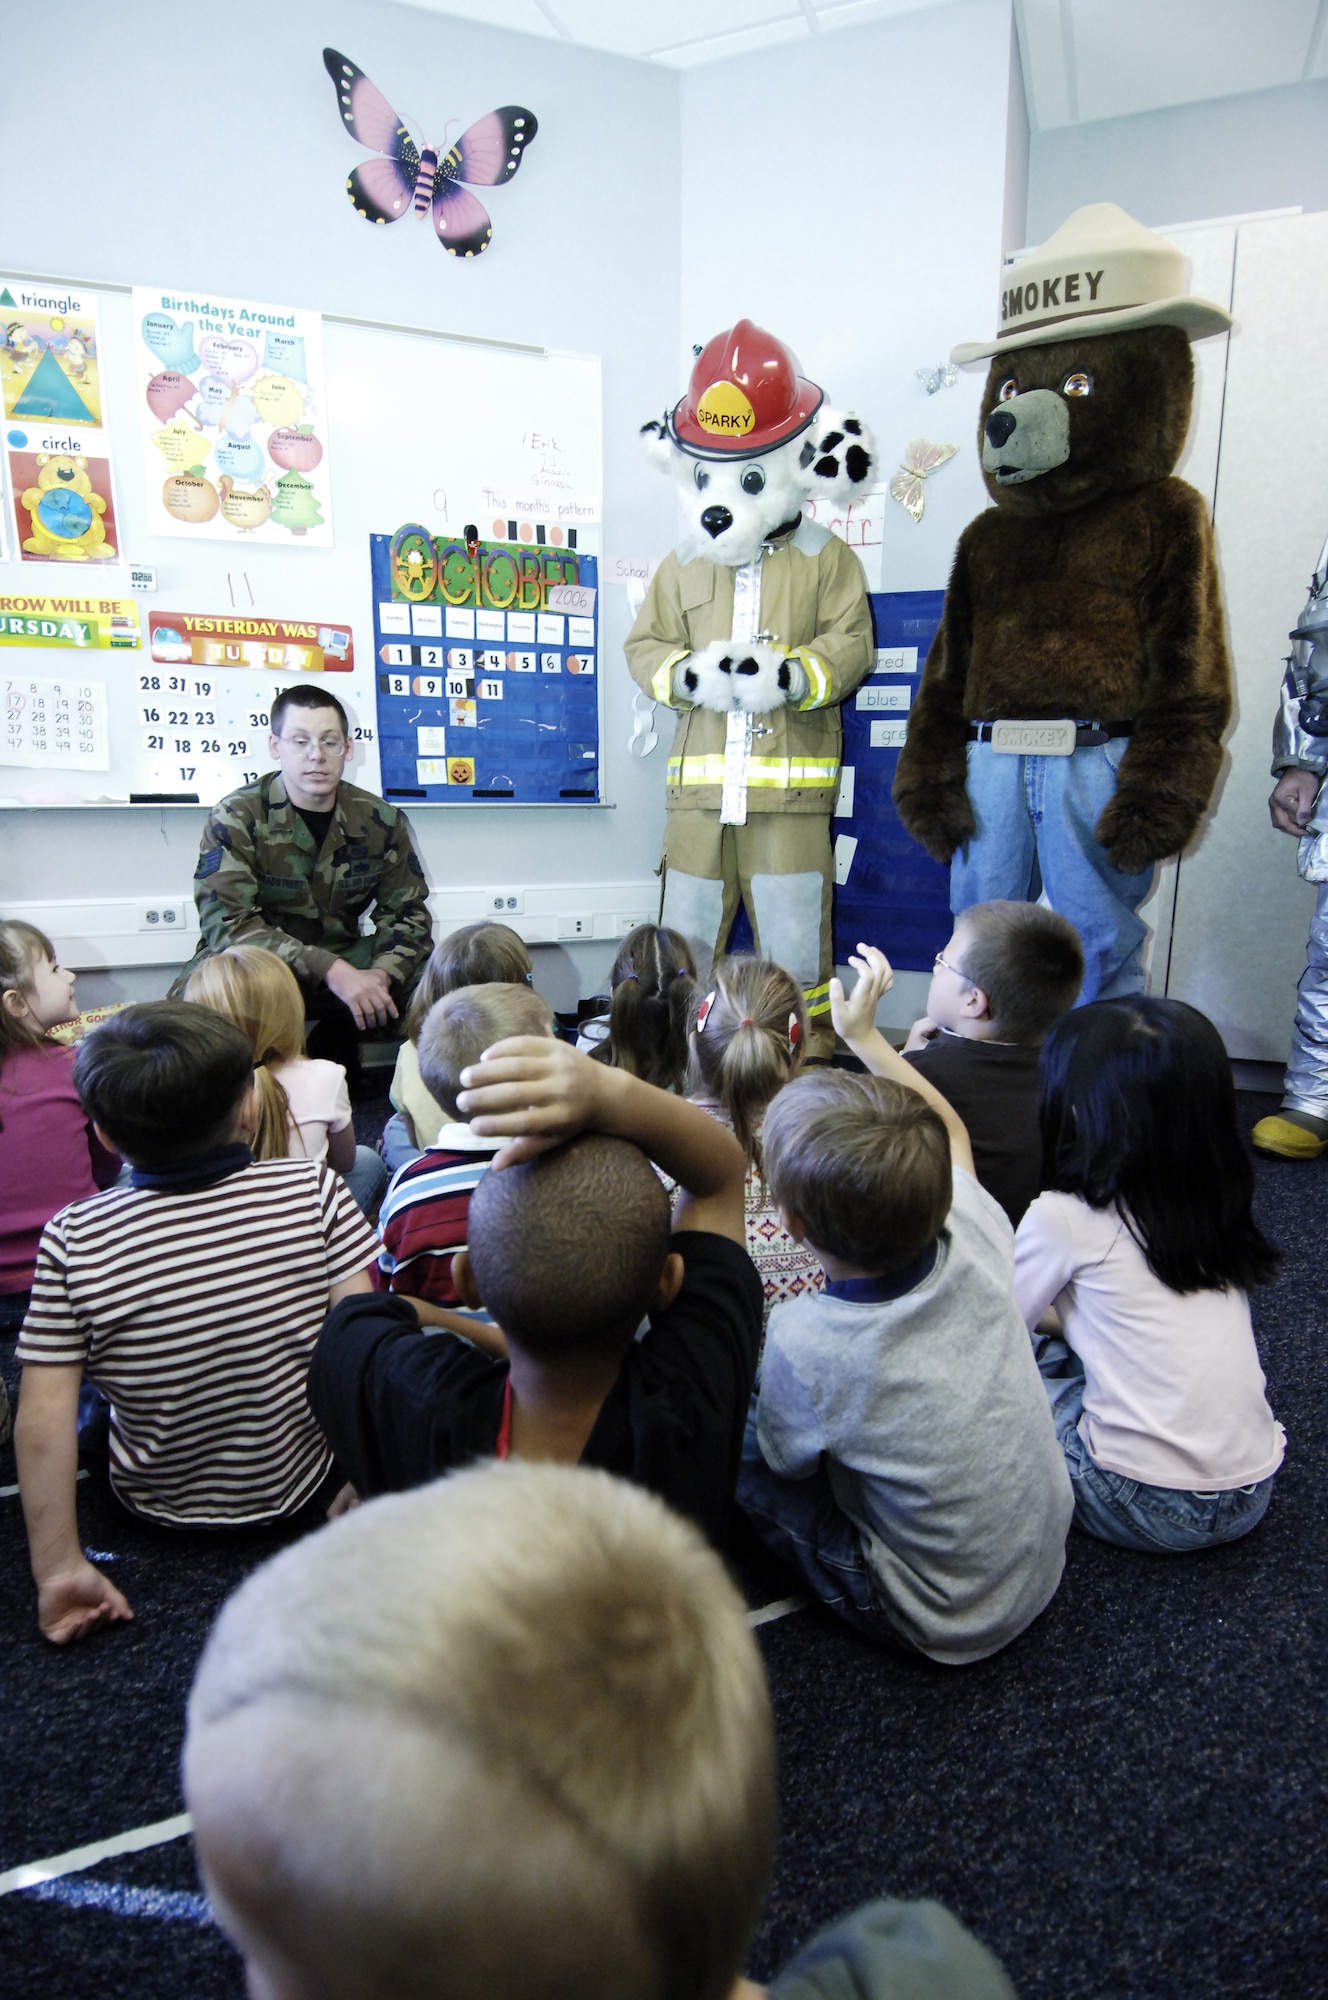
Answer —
(803, 1524)
(1035, 818)
(1157, 1519)
(395, 1145)
(367, 1179)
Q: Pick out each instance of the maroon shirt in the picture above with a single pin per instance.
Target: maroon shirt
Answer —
(49, 1154)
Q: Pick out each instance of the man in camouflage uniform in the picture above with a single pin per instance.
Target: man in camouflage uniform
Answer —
(291, 864)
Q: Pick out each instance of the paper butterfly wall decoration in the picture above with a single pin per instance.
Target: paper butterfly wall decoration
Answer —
(943, 376)
(487, 154)
(920, 458)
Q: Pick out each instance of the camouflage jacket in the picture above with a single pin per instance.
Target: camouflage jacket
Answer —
(261, 881)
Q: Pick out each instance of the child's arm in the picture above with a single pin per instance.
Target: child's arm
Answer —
(479, 1332)
(73, 1598)
(341, 1149)
(540, 1093)
(854, 1017)
(346, 1287)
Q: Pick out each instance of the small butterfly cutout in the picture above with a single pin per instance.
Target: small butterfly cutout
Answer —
(920, 458)
(943, 376)
(487, 154)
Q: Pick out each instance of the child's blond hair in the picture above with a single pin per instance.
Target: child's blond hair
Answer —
(747, 1034)
(258, 992)
(458, 1029)
(21, 945)
(502, 1737)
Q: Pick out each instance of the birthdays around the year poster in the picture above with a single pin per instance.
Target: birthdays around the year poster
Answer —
(55, 725)
(61, 493)
(485, 665)
(234, 422)
(205, 693)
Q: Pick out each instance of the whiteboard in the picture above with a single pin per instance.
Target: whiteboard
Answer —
(444, 432)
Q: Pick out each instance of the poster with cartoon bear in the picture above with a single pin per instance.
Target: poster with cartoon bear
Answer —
(59, 457)
(233, 416)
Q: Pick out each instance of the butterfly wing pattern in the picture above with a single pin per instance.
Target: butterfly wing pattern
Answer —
(921, 456)
(382, 190)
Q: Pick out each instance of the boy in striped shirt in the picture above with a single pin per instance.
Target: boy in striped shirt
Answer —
(192, 1298)
(423, 1217)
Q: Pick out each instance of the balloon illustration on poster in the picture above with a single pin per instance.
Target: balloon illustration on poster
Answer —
(231, 400)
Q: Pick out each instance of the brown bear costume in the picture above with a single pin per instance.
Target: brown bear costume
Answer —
(1088, 595)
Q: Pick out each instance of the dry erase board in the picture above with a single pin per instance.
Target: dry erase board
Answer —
(419, 428)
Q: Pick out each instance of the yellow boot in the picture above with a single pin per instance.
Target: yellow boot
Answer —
(1284, 1135)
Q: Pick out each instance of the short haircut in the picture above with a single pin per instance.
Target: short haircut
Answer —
(304, 696)
(1028, 961)
(482, 954)
(462, 1025)
(503, 1737)
(567, 1249)
(164, 1079)
(864, 1161)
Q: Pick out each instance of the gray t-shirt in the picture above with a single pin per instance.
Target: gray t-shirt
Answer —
(937, 1436)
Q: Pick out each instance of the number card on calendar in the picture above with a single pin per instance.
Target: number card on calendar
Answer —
(56, 725)
(485, 668)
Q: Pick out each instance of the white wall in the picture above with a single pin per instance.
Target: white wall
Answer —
(1232, 156)
(226, 168)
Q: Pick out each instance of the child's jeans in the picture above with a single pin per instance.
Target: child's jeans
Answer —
(803, 1524)
(395, 1145)
(1158, 1519)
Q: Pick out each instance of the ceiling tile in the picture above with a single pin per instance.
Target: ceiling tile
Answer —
(640, 28)
(1141, 55)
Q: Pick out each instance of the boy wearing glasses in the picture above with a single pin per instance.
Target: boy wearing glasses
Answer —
(1008, 973)
(292, 862)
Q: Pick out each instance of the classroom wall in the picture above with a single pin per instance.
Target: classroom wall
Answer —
(1231, 156)
(221, 164)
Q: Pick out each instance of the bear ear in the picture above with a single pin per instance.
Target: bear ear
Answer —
(843, 455)
(657, 444)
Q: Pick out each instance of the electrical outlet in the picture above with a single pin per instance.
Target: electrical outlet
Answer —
(505, 902)
(576, 927)
(623, 924)
(161, 916)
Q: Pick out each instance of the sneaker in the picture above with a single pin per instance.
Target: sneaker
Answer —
(1287, 1139)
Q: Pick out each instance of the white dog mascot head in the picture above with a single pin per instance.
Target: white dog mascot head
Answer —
(749, 442)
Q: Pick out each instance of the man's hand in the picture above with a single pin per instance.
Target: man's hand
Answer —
(535, 1091)
(854, 1014)
(922, 1032)
(75, 1601)
(1292, 800)
(367, 994)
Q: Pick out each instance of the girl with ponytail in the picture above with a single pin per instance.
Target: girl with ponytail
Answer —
(654, 982)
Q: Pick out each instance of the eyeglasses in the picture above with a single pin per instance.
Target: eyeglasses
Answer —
(331, 744)
(941, 960)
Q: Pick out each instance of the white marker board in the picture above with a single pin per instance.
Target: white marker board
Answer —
(420, 428)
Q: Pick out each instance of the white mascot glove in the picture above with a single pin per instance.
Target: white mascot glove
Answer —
(725, 676)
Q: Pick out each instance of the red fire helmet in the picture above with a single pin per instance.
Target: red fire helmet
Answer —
(747, 395)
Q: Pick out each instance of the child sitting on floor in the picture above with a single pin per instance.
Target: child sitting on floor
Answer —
(645, 1031)
(49, 1153)
(1008, 972)
(747, 1036)
(1145, 1245)
(506, 1737)
(191, 1298)
(899, 1454)
(423, 1218)
(570, 1250)
(303, 1104)
(482, 954)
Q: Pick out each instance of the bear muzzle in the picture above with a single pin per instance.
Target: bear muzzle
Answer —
(1026, 437)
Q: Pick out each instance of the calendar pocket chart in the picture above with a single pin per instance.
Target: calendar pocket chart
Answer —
(485, 659)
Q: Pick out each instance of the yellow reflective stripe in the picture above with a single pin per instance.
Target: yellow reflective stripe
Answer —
(813, 994)
(787, 774)
(818, 692)
(815, 1007)
(661, 686)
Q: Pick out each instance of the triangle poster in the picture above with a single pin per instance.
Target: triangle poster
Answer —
(58, 455)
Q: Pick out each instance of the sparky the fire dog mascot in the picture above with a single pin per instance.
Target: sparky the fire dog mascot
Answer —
(755, 629)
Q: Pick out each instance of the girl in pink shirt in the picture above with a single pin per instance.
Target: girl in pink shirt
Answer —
(1144, 1242)
(49, 1154)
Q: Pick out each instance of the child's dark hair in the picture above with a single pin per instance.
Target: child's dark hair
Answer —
(163, 1079)
(1028, 961)
(747, 1033)
(482, 954)
(567, 1249)
(1138, 1109)
(653, 980)
(21, 947)
(864, 1162)
(306, 697)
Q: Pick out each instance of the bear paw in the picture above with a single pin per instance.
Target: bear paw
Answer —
(725, 676)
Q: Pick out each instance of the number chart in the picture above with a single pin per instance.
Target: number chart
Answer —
(55, 724)
(486, 668)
